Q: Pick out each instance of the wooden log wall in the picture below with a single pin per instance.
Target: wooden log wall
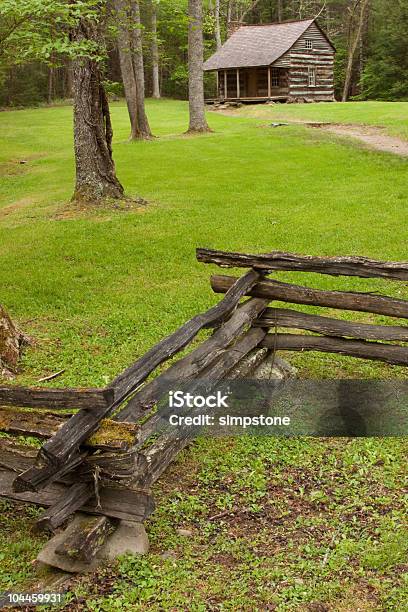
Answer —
(320, 57)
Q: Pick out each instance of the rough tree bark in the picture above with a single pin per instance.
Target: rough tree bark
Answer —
(217, 25)
(155, 53)
(11, 340)
(126, 66)
(95, 170)
(353, 42)
(198, 122)
(138, 67)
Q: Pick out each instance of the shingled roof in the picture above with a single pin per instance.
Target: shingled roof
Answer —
(258, 45)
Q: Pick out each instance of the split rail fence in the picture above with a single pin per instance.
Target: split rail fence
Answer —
(103, 450)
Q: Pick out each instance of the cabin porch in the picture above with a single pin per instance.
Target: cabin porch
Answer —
(252, 84)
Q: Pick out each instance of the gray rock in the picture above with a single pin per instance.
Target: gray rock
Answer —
(129, 537)
(168, 554)
(185, 532)
(275, 368)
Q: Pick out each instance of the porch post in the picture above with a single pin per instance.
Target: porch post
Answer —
(217, 85)
(238, 92)
(269, 82)
(225, 85)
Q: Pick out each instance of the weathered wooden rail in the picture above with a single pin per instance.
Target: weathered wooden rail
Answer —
(103, 448)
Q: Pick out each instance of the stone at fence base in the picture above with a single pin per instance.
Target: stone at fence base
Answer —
(129, 537)
(275, 368)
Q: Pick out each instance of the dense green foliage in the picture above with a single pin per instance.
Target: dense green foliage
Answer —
(385, 75)
(35, 37)
(380, 68)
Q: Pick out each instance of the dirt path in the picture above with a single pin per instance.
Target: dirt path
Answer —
(374, 137)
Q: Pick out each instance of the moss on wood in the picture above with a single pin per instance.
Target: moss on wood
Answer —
(112, 434)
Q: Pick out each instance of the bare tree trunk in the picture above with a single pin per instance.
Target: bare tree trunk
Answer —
(68, 79)
(280, 10)
(155, 53)
(361, 66)
(95, 170)
(229, 12)
(126, 67)
(217, 25)
(50, 85)
(11, 340)
(354, 44)
(198, 122)
(248, 10)
(138, 67)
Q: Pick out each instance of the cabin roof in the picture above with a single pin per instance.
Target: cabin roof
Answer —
(257, 45)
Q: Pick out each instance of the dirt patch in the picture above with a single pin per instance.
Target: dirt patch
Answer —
(11, 168)
(12, 208)
(74, 210)
(374, 137)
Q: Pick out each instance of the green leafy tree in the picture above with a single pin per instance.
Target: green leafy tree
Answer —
(385, 74)
(49, 29)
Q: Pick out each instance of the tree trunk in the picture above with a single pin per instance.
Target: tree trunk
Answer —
(217, 25)
(95, 169)
(50, 85)
(68, 88)
(353, 45)
(126, 67)
(198, 122)
(229, 12)
(10, 343)
(137, 48)
(155, 53)
(280, 11)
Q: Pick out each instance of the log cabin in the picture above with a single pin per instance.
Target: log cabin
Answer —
(291, 60)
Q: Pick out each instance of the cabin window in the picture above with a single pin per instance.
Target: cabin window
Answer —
(312, 76)
(309, 43)
(275, 77)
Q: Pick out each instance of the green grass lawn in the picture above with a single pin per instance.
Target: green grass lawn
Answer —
(316, 523)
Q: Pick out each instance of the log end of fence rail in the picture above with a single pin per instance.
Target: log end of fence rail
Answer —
(44, 471)
(72, 500)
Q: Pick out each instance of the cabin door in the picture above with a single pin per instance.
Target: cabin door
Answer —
(252, 88)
